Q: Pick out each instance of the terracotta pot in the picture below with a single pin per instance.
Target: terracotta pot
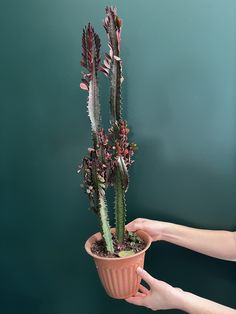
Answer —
(118, 275)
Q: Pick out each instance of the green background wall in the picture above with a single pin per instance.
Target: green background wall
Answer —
(179, 95)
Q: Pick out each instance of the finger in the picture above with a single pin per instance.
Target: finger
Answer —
(136, 300)
(143, 289)
(145, 276)
(140, 294)
(179, 289)
(134, 225)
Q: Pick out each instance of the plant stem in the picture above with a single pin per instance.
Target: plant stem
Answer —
(102, 211)
(120, 207)
(106, 231)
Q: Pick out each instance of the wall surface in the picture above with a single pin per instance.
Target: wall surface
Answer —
(179, 96)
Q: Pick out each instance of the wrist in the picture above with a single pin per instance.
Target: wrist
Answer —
(181, 300)
(166, 231)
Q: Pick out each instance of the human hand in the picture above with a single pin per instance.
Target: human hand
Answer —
(161, 295)
(154, 228)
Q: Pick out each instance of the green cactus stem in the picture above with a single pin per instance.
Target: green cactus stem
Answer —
(105, 226)
(120, 208)
(99, 187)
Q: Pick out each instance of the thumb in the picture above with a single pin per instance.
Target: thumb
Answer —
(134, 225)
(145, 276)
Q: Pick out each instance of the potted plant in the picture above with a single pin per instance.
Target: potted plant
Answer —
(116, 253)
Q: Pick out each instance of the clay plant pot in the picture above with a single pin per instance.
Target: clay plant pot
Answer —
(118, 275)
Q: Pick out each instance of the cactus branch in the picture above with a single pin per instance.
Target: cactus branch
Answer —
(99, 186)
(120, 206)
(112, 66)
(90, 61)
(106, 230)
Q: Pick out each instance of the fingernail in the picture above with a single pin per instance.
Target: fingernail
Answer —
(139, 269)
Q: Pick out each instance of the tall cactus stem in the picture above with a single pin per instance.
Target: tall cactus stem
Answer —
(120, 207)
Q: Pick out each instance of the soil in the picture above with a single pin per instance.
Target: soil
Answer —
(131, 242)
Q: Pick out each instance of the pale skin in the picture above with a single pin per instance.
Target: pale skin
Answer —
(161, 295)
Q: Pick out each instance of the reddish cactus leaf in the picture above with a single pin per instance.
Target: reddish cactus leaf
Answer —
(83, 86)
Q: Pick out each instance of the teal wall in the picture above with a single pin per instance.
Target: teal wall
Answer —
(179, 96)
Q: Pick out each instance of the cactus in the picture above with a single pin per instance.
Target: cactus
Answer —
(111, 156)
(112, 67)
(93, 167)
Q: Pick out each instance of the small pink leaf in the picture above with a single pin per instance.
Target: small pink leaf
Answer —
(117, 58)
(107, 64)
(102, 69)
(107, 56)
(83, 86)
(105, 67)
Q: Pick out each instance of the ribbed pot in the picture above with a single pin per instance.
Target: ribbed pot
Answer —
(118, 275)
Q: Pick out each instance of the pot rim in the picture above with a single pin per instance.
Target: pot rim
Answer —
(87, 246)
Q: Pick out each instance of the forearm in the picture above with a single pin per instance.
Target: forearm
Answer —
(193, 304)
(219, 244)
